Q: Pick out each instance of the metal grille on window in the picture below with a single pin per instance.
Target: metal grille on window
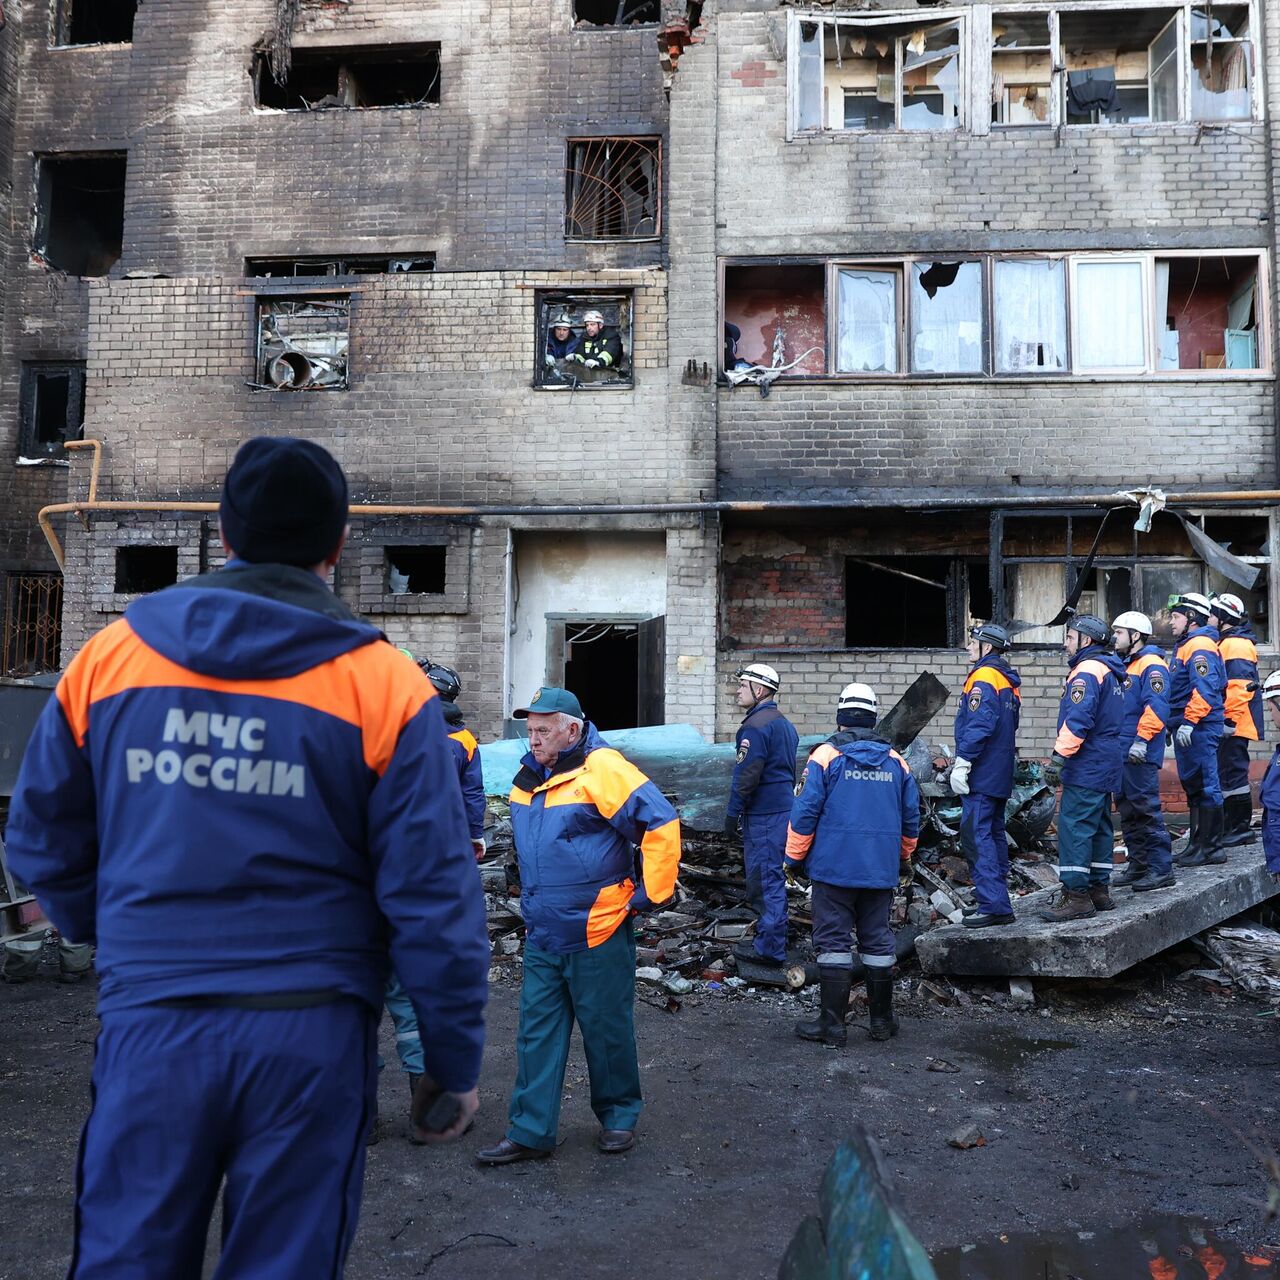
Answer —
(611, 189)
(32, 634)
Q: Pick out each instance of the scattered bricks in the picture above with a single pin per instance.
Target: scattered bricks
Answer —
(967, 1137)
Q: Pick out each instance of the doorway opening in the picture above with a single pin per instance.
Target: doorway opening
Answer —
(613, 664)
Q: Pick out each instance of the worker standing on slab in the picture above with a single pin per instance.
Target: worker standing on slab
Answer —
(579, 811)
(1242, 717)
(1269, 792)
(1146, 712)
(853, 825)
(1088, 759)
(986, 733)
(760, 796)
(244, 795)
(1197, 697)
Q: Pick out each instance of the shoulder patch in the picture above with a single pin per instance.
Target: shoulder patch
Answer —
(1201, 665)
(975, 700)
(1077, 692)
(743, 747)
(1128, 683)
(1157, 684)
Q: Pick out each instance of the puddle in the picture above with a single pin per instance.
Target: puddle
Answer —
(1158, 1248)
(1009, 1052)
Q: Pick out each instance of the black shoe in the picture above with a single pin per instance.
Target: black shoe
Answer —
(1154, 880)
(508, 1152)
(833, 1003)
(613, 1142)
(980, 920)
(1130, 874)
(746, 951)
(880, 998)
(374, 1133)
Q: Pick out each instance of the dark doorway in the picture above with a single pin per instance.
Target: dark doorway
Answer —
(614, 665)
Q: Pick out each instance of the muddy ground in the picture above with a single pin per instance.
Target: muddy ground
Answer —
(1101, 1104)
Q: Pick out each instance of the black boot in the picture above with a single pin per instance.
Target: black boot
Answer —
(833, 1002)
(1133, 870)
(880, 998)
(1237, 819)
(1192, 847)
(1209, 852)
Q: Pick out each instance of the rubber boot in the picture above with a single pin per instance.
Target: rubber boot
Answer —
(1237, 819)
(1072, 904)
(20, 958)
(1192, 847)
(833, 1001)
(413, 1087)
(1209, 852)
(1100, 896)
(880, 998)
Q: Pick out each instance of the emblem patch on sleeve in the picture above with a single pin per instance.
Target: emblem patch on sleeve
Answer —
(1077, 693)
(743, 747)
(1201, 664)
(1157, 684)
(975, 700)
(1128, 683)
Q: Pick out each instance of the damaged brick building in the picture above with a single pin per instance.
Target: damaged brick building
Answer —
(987, 261)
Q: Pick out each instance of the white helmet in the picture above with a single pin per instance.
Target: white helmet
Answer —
(857, 697)
(1229, 608)
(758, 673)
(593, 317)
(1134, 621)
(1192, 603)
(1271, 686)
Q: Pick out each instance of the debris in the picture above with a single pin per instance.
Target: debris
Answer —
(1246, 954)
(1021, 992)
(941, 1064)
(966, 1137)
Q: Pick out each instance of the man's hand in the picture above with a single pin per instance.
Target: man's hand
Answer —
(1053, 770)
(550, 359)
(592, 364)
(433, 1106)
(906, 873)
(1228, 728)
(577, 357)
(960, 776)
(1183, 736)
(479, 847)
(732, 825)
(1138, 751)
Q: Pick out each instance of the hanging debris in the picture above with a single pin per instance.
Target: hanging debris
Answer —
(277, 43)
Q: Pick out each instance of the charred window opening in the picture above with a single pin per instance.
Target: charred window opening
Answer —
(775, 318)
(1206, 310)
(362, 264)
(360, 79)
(143, 569)
(52, 408)
(615, 13)
(575, 349)
(303, 343)
(416, 571)
(612, 189)
(899, 602)
(96, 21)
(80, 211)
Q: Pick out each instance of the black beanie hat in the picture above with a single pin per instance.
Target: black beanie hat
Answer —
(284, 501)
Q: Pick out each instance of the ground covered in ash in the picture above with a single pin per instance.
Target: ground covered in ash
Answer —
(1098, 1105)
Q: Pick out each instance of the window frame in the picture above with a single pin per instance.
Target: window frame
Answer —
(32, 370)
(581, 297)
(658, 195)
(289, 291)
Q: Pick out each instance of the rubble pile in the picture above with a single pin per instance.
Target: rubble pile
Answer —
(1244, 954)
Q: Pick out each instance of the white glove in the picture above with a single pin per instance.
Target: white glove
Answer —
(1228, 728)
(479, 847)
(1138, 751)
(592, 364)
(960, 776)
(1183, 736)
(550, 358)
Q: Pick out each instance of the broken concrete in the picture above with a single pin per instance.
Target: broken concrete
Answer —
(1109, 942)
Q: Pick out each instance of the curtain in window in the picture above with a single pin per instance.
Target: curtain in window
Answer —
(1030, 316)
(946, 317)
(1109, 322)
(868, 333)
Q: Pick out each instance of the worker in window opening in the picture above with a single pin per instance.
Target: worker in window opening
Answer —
(1269, 791)
(579, 811)
(562, 342)
(1146, 712)
(244, 795)
(986, 732)
(854, 826)
(1197, 697)
(1088, 759)
(1242, 717)
(599, 348)
(760, 796)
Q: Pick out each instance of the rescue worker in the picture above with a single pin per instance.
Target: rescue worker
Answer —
(1242, 717)
(598, 349)
(986, 732)
(243, 795)
(562, 342)
(466, 750)
(1146, 711)
(577, 809)
(1269, 791)
(1197, 694)
(1088, 759)
(760, 796)
(854, 824)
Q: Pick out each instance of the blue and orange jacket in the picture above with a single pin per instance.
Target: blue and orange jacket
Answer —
(466, 755)
(574, 828)
(240, 789)
(1242, 702)
(1146, 700)
(1269, 795)
(857, 814)
(764, 776)
(1197, 680)
(1091, 721)
(986, 729)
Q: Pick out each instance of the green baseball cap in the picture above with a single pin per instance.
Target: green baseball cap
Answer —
(546, 702)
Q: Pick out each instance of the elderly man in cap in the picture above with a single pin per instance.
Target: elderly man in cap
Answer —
(596, 842)
(245, 796)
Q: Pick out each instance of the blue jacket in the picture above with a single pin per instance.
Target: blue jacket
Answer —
(466, 756)
(240, 789)
(764, 777)
(1091, 721)
(1269, 794)
(1146, 701)
(574, 828)
(1197, 680)
(857, 814)
(1242, 701)
(987, 725)
(559, 350)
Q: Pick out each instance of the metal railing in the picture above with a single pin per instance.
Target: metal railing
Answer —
(31, 634)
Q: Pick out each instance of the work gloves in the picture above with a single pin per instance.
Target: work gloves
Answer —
(906, 872)
(1138, 751)
(1228, 728)
(1183, 736)
(1053, 770)
(960, 776)
(479, 847)
(732, 826)
(550, 359)
(592, 364)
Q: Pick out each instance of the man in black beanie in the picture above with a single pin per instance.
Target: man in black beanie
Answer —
(245, 796)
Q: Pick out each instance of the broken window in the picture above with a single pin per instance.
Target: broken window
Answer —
(867, 336)
(1021, 69)
(1121, 65)
(1221, 63)
(612, 189)
(913, 601)
(52, 408)
(358, 264)
(1030, 309)
(775, 316)
(303, 343)
(1109, 315)
(947, 318)
(615, 13)
(1206, 312)
(95, 21)
(416, 571)
(80, 211)
(143, 569)
(361, 78)
(558, 346)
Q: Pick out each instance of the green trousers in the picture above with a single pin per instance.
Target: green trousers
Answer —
(597, 987)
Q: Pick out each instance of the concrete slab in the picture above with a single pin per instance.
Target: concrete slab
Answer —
(1107, 943)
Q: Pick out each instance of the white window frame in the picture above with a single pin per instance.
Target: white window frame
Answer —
(1074, 263)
